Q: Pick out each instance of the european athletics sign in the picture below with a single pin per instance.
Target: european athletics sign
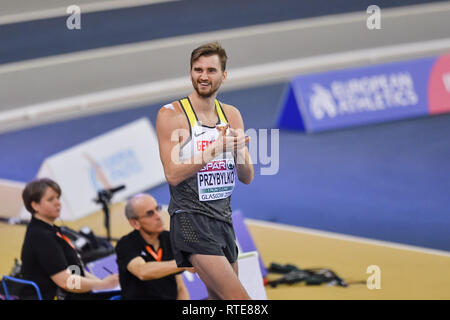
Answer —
(373, 94)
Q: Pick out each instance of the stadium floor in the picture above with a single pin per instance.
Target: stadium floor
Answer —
(406, 272)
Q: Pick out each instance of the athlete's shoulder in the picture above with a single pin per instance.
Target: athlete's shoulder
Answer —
(173, 107)
(170, 116)
(231, 112)
(170, 111)
(228, 108)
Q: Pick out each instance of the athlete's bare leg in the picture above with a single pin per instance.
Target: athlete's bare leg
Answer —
(219, 277)
(235, 268)
(211, 294)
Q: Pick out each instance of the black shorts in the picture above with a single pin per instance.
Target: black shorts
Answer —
(193, 233)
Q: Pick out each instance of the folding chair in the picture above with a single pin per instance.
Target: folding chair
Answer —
(15, 286)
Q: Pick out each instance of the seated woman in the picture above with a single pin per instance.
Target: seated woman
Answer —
(49, 258)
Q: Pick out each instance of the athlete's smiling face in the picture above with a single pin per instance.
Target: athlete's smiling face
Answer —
(207, 75)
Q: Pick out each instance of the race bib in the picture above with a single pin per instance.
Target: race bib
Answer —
(216, 180)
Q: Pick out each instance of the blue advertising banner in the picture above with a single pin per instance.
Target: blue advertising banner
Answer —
(360, 96)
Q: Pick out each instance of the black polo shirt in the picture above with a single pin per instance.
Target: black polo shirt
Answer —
(133, 245)
(44, 254)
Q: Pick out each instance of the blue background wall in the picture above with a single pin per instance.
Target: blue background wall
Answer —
(389, 181)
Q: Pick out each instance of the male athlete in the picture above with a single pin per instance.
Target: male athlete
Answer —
(202, 147)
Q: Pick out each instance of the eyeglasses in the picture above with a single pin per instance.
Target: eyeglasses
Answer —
(150, 213)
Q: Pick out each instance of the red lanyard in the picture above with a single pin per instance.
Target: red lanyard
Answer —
(157, 257)
(66, 239)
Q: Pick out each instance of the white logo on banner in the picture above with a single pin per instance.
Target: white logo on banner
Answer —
(118, 166)
(366, 94)
(322, 102)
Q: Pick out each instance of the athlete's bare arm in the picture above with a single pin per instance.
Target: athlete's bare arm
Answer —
(172, 130)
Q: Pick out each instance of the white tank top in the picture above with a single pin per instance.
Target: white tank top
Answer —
(217, 179)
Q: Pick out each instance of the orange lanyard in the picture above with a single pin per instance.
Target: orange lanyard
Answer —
(66, 239)
(157, 257)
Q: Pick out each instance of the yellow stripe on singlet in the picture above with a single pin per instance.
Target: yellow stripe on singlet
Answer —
(189, 112)
(220, 113)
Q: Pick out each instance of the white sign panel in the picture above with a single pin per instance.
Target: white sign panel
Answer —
(10, 198)
(126, 156)
(250, 275)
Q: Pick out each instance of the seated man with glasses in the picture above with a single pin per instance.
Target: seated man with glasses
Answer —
(147, 269)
